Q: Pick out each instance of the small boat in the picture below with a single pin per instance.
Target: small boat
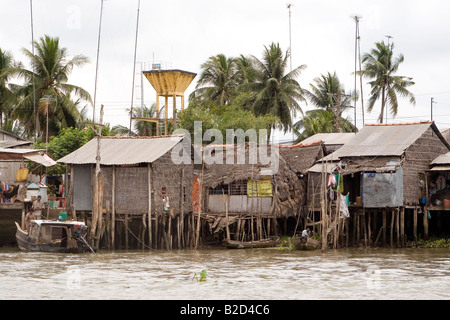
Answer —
(53, 236)
(306, 244)
(263, 243)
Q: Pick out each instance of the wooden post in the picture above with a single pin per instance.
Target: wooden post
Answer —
(392, 226)
(425, 224)
(149, 212)
(415, 223)
(402, 226)
(126, 231)
(363, 223)
(384, 226)
(169, 228)
(397, 224)
(113, 208)
(369, 228)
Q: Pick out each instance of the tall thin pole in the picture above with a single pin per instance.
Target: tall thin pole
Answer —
(356, 19)
(32, 77)
(432, 100)
(134, 63)
(98, 52)
(360, 74)
(290, 42)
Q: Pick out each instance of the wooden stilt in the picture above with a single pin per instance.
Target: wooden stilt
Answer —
(392, 227)
(397, 225)
(113, 208)
(384, 226)
(149, 212)
(126, 231)
(363, 223)
(402, 226)
(415, 223)
(425, 224)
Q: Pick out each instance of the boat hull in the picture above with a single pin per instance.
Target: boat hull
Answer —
(306, 244)
(263, 243)
(27, 243)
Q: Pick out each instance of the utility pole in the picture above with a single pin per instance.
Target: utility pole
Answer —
(356, 18)
(289, 5)
(432, 101)
(96, 66)
(134, 64)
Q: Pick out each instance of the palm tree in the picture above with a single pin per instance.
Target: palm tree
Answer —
(319, 121)
(380, 66)
(6, 94)
(276, 90)
(46, 100)
(141, 127)
(217, 81)
(328, 93)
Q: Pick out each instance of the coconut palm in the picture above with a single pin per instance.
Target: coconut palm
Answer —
(328, 94)
(319, 121)
(276, 90)
(46, 97)
(381, 67)
(141, 127)
(217, 81)
(6, 93)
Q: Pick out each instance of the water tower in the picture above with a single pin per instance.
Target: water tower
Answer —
(168, 83)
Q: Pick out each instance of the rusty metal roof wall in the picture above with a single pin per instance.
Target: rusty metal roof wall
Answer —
(123, 150)
(382, 140)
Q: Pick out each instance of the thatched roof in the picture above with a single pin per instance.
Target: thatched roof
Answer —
(300, 157)
(232, 169)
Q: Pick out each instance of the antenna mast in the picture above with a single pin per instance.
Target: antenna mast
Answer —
(289, 5)
(356, 18)
(96, 67)
(134, 64)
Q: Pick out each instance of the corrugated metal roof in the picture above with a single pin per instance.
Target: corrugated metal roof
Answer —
(383, 140)
(35, 155)
(123, 150)
(330, 138)
(442, 159)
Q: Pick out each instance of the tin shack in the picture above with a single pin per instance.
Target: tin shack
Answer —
(145, 198)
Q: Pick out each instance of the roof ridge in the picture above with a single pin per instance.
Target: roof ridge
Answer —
(142, 137)
(399, 123)
(299, 145)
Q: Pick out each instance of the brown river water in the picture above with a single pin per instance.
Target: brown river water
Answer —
(259, 274)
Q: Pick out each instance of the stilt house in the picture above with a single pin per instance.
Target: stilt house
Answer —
(383, 171)
(145, 197)
(254, 198)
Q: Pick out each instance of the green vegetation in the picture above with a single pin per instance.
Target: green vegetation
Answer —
(231, 92)
(381, 67)
(200, 277)
(433, 242)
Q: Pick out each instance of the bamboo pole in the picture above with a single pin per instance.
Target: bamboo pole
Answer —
(200, 204)
(402, 226)
(392, 227)
(397, 225)
(149, 212)
(113, 207)
(415, 223)
(384, 226)
(425, 224)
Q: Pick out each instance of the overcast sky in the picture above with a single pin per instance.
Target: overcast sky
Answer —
(183, 34)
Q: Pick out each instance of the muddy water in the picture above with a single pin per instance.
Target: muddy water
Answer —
(230, 274)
